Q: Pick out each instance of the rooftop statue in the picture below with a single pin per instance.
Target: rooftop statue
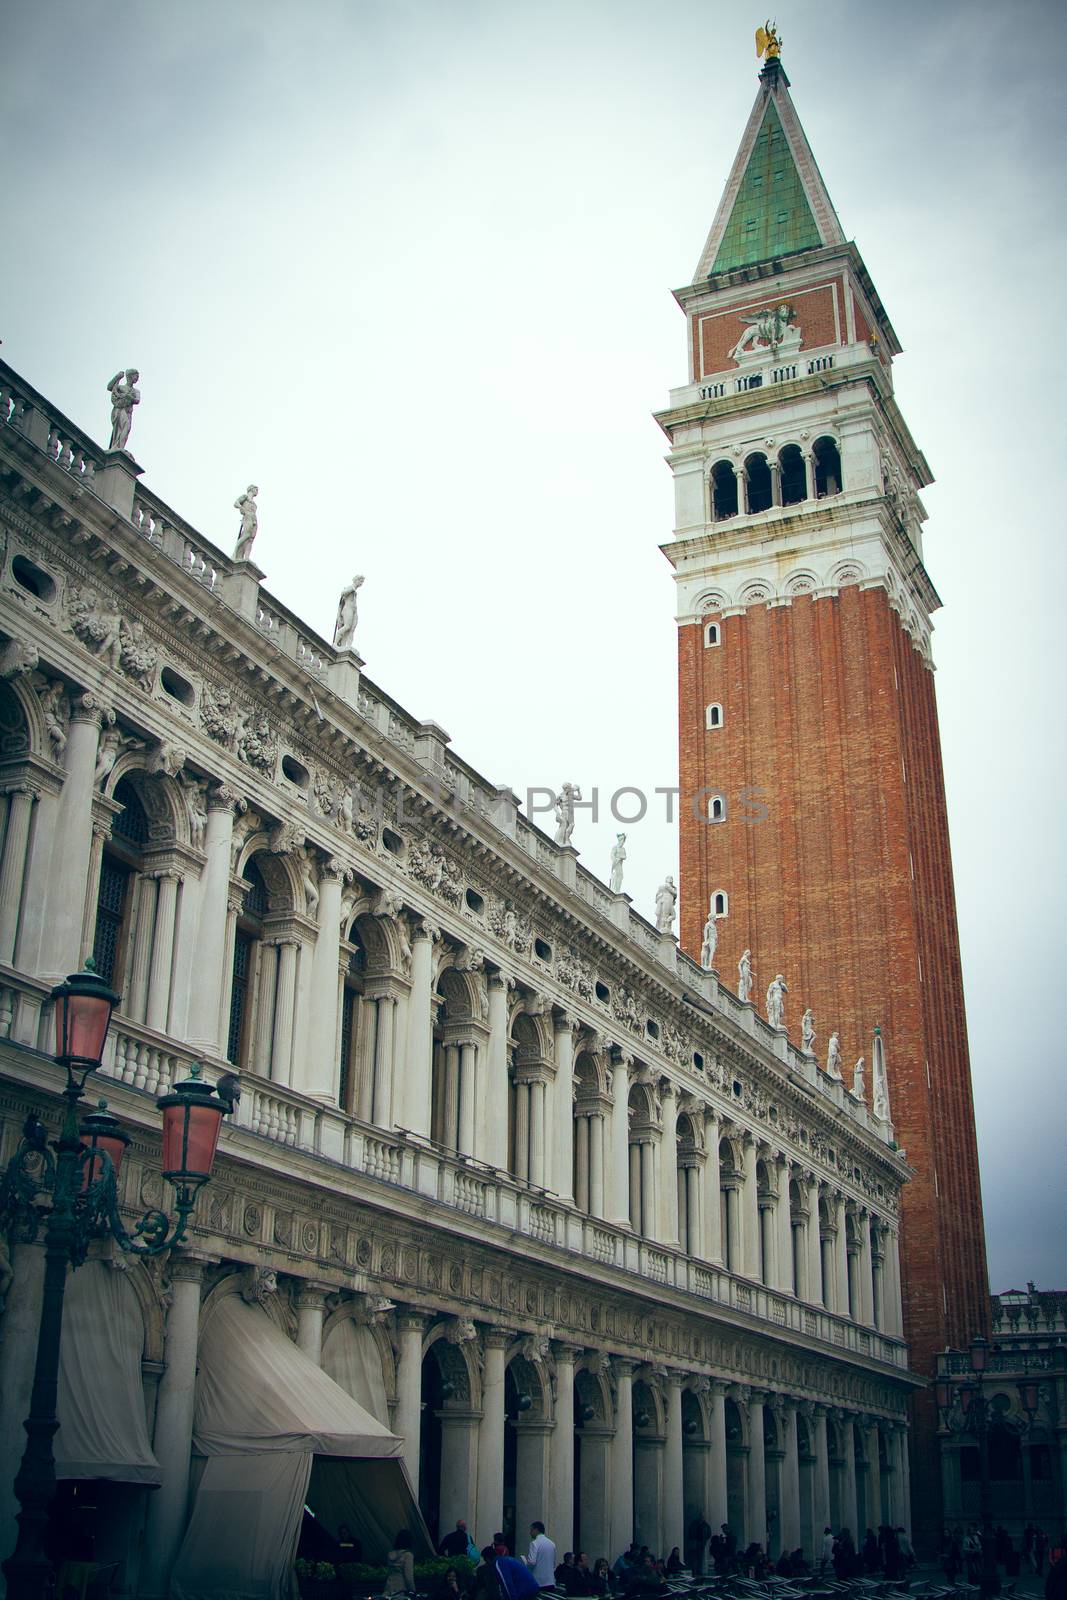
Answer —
(565, 802)
(744, 977)
(124, 396)
(618, 856)
(666, 900)
(710, 939)
(833, 1057)
(345, 627)
(768, 41)
(807, 1031)
(776, 993)
(246, 538)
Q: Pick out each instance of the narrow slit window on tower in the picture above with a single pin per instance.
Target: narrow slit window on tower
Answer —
(713, 716)
(717, 808)
(711, 636)
(720, 901)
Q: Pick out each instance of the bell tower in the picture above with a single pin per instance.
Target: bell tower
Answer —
(813, 819)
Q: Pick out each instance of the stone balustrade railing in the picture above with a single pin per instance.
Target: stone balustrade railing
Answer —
(149, 1062)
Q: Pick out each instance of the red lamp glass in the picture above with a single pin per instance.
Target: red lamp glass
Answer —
(83, 1007)
(192, 1116)
(979, 1354)
(102, 1131)
(1028, 1395)
(943, 1394)
(966, 1396)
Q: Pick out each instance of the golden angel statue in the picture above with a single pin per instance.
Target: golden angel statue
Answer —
(768, 42)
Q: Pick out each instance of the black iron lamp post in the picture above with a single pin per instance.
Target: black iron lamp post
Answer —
(963, 1408)
(81, 1180)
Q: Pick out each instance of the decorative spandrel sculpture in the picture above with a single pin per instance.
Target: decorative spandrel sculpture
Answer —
(246, 538)
(776, 993)
(710, 939)
(807, 1032)
(666, 901)
(618, 858)
(344, 629)
(566, 800)
(124, 396)
(833, 1058)
(744, 977)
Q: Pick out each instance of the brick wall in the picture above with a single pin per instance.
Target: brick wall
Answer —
(830, 722)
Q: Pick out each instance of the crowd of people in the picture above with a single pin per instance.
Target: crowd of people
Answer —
(977, 1555)
(502, 1574)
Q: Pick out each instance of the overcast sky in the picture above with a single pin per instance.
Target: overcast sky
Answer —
(406, 264)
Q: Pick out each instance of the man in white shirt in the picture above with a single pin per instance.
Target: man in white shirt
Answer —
(541, 1556)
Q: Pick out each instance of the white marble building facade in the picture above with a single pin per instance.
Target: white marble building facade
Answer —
(596, 1241)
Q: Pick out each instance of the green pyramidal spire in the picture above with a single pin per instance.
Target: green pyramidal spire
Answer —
(771, 215)
(775, 202)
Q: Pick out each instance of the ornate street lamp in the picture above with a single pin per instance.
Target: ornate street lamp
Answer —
(82, 1179)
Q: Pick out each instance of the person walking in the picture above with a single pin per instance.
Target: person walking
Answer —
(826, 1554)
(400, 1565)
(541, 1556)
(455, 1543)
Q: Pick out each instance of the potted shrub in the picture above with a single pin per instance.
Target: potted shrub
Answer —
(317, 1579)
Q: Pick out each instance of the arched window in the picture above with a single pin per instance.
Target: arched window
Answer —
(730, 1177)
(120, 865)
(723, 491)
(720, 901)
(827, 467)
(246, 951)
(711, 636)
(717, 808)
(794, 478)
(758, 480)
(713, 716)
(351, 1002)
(766, 1202)
(644, 1134)
(689, 1159)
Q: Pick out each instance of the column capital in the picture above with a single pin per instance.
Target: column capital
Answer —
(624, 1366)
(425, 928)
(758, 1397)
(497, 1338)
(676, 1377)
(311, 1296)
(410, 1321)
(90, 708)
(563, 1350)
(220, 797)
(331, 870)
(186, 1268)
(719, 1388)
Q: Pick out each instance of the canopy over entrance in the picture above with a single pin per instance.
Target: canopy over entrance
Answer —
(278, 1433)
(102, 1428)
